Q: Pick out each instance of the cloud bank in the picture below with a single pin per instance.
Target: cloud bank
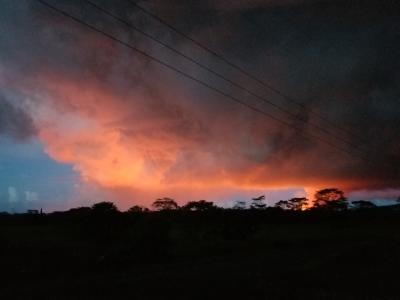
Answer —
(129, 125)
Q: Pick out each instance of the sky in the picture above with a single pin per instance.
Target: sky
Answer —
(85, 119)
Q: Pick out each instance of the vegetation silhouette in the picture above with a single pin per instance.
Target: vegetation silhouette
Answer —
(258, 203)
(104, 208)
(362, 204)
(137, 209)
(99, 252)
(239, 205)
(165, 204)
(201, 205)
(331, 199)
(296, 204)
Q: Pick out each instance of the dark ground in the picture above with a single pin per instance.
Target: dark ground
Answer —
(223, 254)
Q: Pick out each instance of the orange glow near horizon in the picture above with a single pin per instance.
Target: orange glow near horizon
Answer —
(129, 142)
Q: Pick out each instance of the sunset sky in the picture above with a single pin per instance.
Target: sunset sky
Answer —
(84, 118)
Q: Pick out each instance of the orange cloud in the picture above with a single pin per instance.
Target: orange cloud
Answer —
(129, 125)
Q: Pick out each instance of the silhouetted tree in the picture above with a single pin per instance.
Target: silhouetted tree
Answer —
(332, 199)
(81, 211)
(104, 208)
(165, 204)
(362, 204)
(258, 203)
(298, 203)
(239, 205)
(292, 204)
(137, 209)
(282, 204)
(201, 205)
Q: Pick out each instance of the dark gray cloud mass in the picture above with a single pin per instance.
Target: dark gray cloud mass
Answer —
(14, 121)
(337, 58)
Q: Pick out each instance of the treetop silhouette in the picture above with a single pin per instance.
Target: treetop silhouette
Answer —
(163, 204)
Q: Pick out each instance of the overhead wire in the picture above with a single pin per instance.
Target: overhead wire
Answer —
(199, 81)
(217, 74)
(242, 70)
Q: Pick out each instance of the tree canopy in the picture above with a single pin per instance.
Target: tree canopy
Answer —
(165, 204)
(201, 205)
(330, 198)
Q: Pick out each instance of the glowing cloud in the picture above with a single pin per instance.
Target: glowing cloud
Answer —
(126, 123)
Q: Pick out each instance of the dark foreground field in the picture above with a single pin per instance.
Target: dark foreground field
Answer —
(192, 255)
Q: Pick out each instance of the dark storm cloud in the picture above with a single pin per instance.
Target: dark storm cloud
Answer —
(14, 121)
(338, 58)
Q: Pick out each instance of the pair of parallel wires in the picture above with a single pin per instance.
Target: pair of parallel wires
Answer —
(332, 136)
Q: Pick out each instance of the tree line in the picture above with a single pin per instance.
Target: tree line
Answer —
(331, 199)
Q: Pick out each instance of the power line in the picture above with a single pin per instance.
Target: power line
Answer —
(218, 91)
(190, 76)
(241, 69)
(365, 142)
(194, 61)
